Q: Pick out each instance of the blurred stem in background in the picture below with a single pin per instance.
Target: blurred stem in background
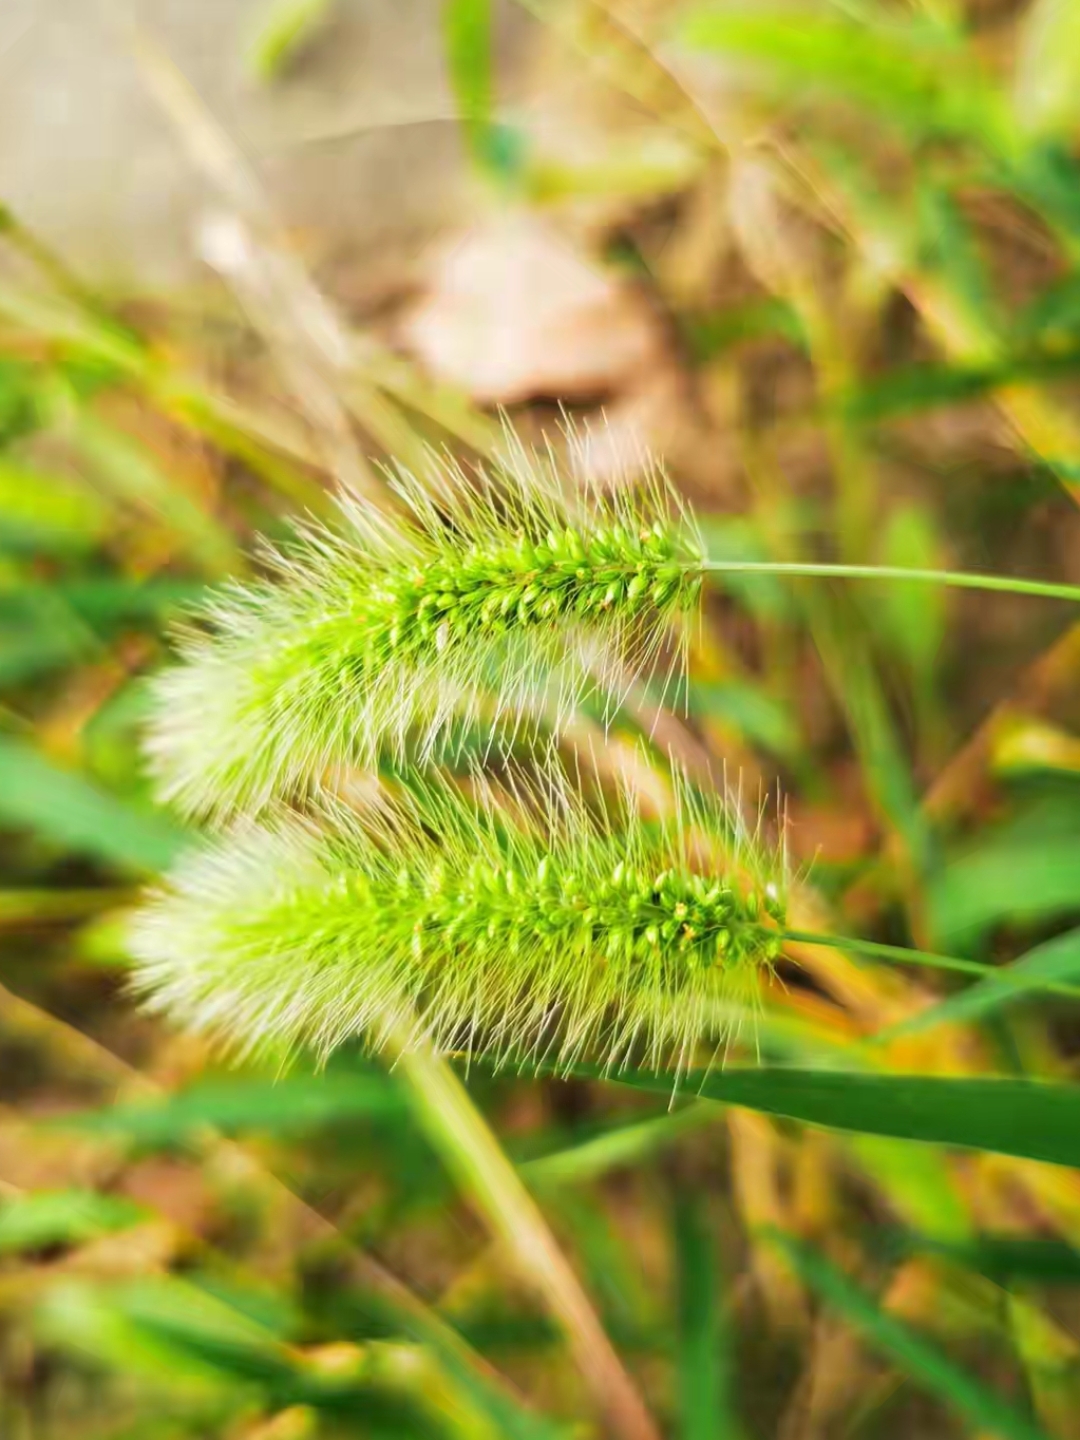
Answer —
(475, 1158)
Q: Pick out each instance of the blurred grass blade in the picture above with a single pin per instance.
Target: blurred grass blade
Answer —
(1026, 1118)
(764, 720)
(470, 58)
(286, 29)
(45, 627)
(912, 616)
(129, 470)
(948, 246)
(1006, 1260)
(926, 87)
(703, 1346)
(467, 32)
(909, 1351)
(1055, 962)
(295, 1104)
(62, 1217)
(48, 512)
(621, 1145)
(177, 1334)
(68, 810)
(1022, 872)
(1046, 81)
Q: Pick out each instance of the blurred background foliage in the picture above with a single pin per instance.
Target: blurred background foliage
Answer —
(824, 259)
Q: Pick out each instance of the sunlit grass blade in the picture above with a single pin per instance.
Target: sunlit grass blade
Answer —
(48, 512)
(912, 1353)
(177, 1334)
(1047, 71)
(469, 43)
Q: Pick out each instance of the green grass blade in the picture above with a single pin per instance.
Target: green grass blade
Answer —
(1050, 965)
(703, 1370)
(1022, 872)
(469, 44)
(618, 1146)
(1026, 1118)
(68, 810)
(909, 1351)
(295, 1105)
(928, 88)
(40, 511)
(1005, 1260)
(62, 1217)
(286, 30)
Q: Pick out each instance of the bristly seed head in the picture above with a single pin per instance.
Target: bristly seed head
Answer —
(541, 931)
(503, 600)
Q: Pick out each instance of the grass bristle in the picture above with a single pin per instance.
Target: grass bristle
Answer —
(539, 929)
(493, 600)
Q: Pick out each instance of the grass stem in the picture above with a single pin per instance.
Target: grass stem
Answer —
(903, 955)
(472, 1154)
(955, 579)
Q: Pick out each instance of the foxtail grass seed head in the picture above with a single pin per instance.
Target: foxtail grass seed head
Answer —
(539, 929)
(489, 601)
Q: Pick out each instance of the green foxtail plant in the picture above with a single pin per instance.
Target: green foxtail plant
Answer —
(532, 926)
(493, 601)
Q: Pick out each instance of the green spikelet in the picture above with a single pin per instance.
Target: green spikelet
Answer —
(493, 602)
(537, 929)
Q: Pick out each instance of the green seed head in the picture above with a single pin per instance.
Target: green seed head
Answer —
(536, 931)
(499, 601)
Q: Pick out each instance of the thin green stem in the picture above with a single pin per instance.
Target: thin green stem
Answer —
(956, 579)
(902, 955)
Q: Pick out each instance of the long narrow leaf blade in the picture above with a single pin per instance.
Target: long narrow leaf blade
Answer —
(1026, 1118)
